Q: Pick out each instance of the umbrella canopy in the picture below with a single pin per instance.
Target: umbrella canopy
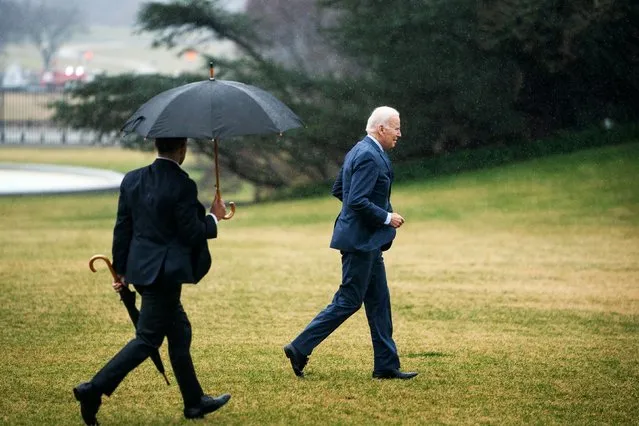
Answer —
(212, 109)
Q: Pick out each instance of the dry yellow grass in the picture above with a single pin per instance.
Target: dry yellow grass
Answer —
(512, 313)
(114, 158)
(106, 157)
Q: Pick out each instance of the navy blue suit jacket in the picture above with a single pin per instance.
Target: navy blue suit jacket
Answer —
(161, 227)
(364, 186)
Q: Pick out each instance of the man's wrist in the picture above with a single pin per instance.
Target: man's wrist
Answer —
(214, 217)
(388, 219)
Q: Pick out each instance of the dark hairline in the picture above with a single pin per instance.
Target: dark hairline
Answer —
(169, 145)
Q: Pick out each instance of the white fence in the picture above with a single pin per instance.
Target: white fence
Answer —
(25, 118)
(46, 134)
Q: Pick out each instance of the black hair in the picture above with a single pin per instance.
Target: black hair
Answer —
(169, 145)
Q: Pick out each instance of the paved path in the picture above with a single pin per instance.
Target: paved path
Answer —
(25, 179)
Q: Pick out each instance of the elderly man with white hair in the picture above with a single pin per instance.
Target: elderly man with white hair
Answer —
(365, 227)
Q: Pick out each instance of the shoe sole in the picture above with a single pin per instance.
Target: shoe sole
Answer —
(393, 377)
(289, 354)
(201, 415)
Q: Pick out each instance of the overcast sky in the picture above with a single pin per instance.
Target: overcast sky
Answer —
(119, 12)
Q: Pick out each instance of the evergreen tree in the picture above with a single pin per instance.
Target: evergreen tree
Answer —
(462, 73)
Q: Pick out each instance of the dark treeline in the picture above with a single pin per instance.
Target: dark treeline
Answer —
(464, 74)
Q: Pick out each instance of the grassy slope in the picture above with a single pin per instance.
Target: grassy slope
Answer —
(514, 290)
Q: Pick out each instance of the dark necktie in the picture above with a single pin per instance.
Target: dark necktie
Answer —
(392, 175)
(390, 167)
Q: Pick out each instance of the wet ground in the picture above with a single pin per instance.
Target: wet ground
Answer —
(25, 179)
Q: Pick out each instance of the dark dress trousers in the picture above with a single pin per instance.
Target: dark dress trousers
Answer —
(159, 242)
(364, 187)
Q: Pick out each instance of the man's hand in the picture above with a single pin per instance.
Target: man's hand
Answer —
(120, 284)
(396, 220)
(218, 208)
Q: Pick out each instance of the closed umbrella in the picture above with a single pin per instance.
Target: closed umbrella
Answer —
(128, 299)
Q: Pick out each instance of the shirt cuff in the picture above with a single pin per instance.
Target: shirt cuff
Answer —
(388, 218)
(215, 218)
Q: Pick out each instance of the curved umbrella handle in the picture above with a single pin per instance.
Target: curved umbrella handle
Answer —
(230, 215)
(108, 263)
(217, 185)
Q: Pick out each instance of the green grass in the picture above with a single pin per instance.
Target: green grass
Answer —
(515, 294)
(113, 158)
(123, 160)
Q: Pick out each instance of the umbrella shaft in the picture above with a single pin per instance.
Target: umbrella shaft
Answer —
(217, 171)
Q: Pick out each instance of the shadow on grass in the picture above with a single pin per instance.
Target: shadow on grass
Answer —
(426, 355)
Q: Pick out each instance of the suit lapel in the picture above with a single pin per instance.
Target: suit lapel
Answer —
(390, 166)
(386, 161)
(381, 154)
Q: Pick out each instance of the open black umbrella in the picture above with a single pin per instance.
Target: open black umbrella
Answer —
(212, 109)
(128, 298)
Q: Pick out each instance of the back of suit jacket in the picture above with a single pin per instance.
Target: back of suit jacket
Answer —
(161, 227)
(363, 185)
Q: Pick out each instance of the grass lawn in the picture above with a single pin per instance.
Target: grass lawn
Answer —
(515, 295)
(121, 160)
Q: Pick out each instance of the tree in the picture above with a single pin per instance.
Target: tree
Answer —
(104, 104)
(10, 18)
(577, 62)
(294, 35)
(423, 58)
(48, 27)
(496, 71)
(462, 73)
(280, 161)
(309, 155)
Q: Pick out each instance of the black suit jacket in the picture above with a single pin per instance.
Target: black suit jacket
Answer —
(161, 227)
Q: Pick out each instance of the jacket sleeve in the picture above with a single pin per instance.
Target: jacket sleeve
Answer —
(194, 226)
(122, 233)
(337, 190)
(363, 179)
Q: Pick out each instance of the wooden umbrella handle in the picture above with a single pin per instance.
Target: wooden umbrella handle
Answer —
(230, 215)
(217, 186)
(231, 205)
(108, 263)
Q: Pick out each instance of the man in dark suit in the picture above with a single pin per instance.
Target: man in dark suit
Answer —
(365, 227)
(159, 242)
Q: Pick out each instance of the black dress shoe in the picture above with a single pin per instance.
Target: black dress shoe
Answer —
(90, 400)
(393, 374)
(298, 361)
(207, 405)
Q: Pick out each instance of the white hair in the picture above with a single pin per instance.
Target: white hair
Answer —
(379, 116)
